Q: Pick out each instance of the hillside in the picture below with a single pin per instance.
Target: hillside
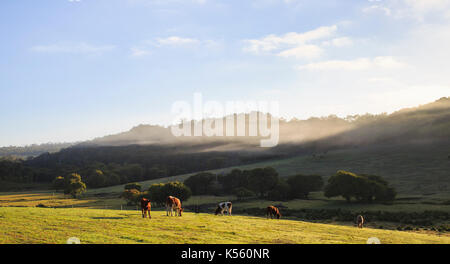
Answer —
(32, 150)
(411, 169)
(19, 225)
(429, 122)
(408, 147)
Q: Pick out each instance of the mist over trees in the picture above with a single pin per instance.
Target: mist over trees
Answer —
(106, 162)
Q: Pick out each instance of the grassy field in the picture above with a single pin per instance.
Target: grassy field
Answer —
(47, 225)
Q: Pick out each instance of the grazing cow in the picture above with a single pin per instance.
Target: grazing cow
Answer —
(146, 206)
(173, 203)
(273, 211)
(225, 206)
(360, 221)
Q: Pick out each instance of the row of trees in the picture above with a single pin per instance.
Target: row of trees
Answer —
(262, 182)
(265, 183)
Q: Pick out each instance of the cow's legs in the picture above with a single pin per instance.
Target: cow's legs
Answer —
(143, 213)
(149, 216)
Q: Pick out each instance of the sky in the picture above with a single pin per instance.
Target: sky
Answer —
(73, 70)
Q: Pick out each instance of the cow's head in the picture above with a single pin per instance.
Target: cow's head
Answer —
(278, 215)
(218, 210)
(181, 210)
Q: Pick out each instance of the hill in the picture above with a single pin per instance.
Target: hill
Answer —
(19, 225)
(409, 147)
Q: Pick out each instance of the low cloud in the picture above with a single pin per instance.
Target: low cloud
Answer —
(175, 41)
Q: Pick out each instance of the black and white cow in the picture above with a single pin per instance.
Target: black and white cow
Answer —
(224, 206)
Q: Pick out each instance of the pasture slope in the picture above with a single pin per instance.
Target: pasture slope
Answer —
(427, 175)
(48, 225)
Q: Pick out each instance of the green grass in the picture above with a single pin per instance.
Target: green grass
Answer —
(47, 225)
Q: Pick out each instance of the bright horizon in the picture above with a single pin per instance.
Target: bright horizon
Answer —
(76, 70)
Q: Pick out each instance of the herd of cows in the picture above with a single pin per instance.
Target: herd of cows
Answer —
(174, 204)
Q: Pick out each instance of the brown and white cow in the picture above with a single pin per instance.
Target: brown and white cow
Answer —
(146, 206)
(273, 211)
(360, 221)
(173, 203)
(224, 206)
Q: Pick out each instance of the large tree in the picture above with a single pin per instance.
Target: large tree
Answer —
(360, 187)
(200, 184)
(301, 185)
(262, 180)
(74, 186)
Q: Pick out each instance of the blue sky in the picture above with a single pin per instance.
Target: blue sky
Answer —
(78, 69)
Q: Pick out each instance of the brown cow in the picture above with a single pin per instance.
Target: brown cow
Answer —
(360, 221)
(273, 211)
(146, 206)
(173, 203)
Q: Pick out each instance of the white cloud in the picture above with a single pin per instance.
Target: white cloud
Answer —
(82, 48)
(377, 8)
(291, 44)
(382, 62)
(416, 9)
(272, 42)
(174, 40)
(339, 42)
(303, 51)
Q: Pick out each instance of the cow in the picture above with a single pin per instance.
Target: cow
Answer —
(273, 211)
(173, 203)
(225, 206)
(360, 221)
(146, 206)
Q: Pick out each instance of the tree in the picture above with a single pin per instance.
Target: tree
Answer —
(301, 185)
(177, 189)
(280, 192)
(58, 183)
(233, 180)
(200, 183)
(132, 196)
(242, 193)
(74, 186)
(133, 185)
(261, 180)
(361, 187)
(96, 179)
(158, 193)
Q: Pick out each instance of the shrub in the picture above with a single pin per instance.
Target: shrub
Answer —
(134, 185)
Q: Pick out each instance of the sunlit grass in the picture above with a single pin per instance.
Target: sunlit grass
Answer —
(47, 225)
